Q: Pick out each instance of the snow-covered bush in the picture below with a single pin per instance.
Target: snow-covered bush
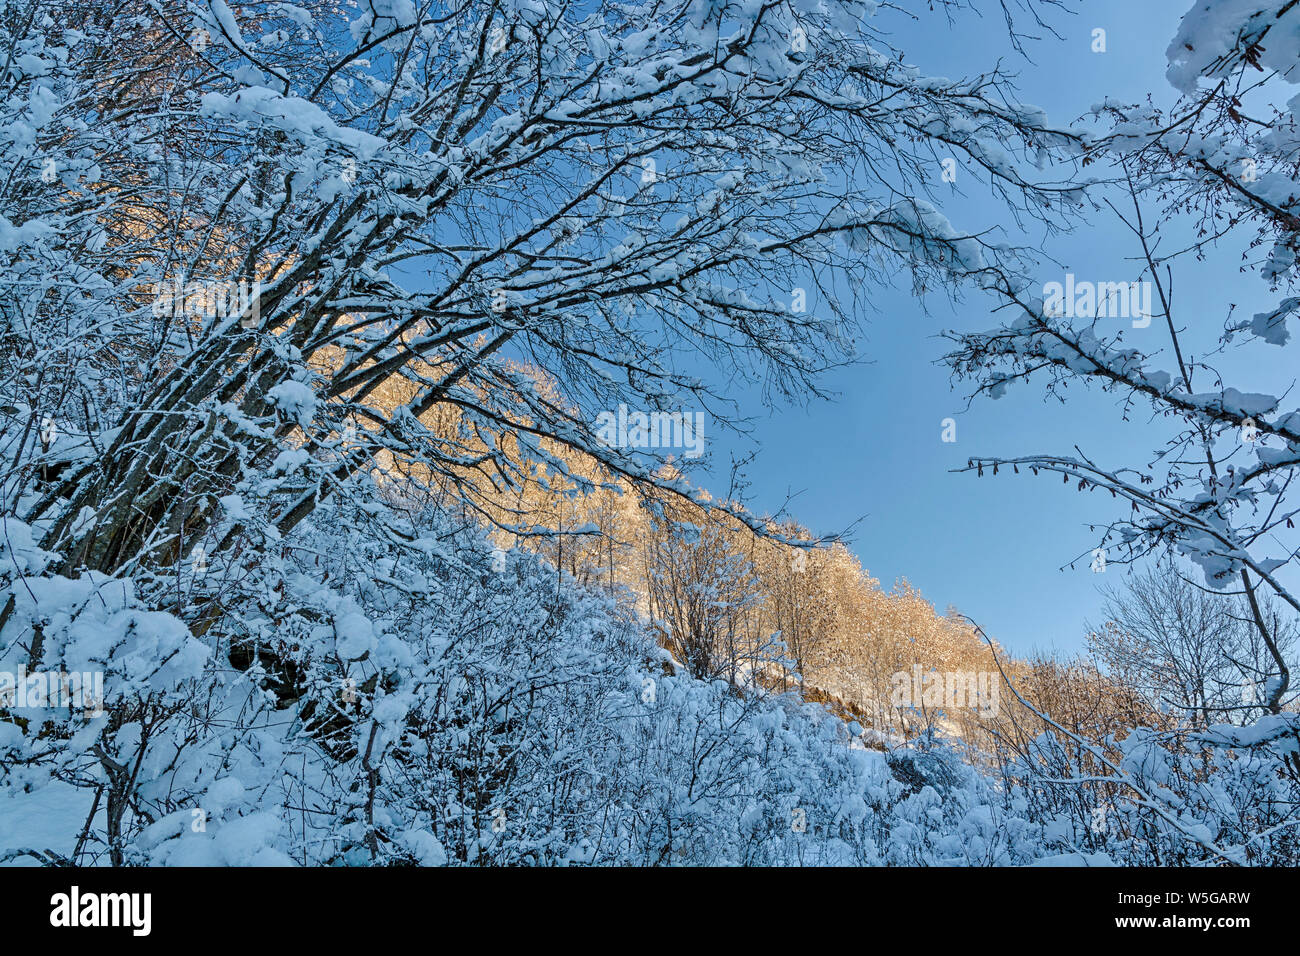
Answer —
(365, 701)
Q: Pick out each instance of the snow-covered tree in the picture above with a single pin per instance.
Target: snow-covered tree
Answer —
(1225, 159)
(424, 192)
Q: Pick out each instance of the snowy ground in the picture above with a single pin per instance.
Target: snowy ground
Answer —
(47, 820)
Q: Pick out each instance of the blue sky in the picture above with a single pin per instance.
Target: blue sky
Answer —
(993, 547)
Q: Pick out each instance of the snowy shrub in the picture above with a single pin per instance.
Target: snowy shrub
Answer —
(361, 702)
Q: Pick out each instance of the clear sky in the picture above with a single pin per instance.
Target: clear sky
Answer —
(993, 547)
